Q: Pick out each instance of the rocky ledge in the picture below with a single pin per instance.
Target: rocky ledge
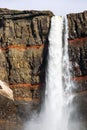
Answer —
(23, 52)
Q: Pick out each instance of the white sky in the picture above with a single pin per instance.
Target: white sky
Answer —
(58, 7)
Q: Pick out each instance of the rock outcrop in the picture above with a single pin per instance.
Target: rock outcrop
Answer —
(23, 52)
(77, 24)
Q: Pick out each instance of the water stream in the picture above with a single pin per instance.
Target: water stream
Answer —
(55, 113)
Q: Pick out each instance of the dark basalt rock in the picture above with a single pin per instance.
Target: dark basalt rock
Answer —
(78, 56)
(77, 24)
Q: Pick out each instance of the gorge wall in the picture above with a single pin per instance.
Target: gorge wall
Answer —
(77, 24)
(23, 53)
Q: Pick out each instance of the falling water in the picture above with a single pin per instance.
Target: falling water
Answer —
(54, 90)
(70, 105)
(54, 116)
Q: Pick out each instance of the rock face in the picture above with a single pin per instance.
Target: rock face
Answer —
(77, 24)
(23, 52)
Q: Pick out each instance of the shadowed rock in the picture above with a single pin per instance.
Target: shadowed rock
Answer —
(77, 24)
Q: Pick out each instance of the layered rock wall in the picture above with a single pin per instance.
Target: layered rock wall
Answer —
(23, 53)
(77, 24)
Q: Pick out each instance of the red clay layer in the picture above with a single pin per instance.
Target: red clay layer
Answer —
(32, 86)
(20, 47)
(80, 78)
(78, 41)
(82, 92)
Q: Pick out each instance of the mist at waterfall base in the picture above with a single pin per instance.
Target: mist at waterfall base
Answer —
(58, 107)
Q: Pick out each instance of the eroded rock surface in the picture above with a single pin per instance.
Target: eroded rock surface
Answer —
(23, 52)
(77, 24)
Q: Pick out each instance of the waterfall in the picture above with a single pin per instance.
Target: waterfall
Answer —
(54, 90)
(55, 113)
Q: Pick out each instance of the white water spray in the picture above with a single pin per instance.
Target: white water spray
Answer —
(54, 116)
(70, 106)
(54, 90)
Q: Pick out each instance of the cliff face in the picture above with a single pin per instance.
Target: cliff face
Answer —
(23, 52)
(77, 24)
